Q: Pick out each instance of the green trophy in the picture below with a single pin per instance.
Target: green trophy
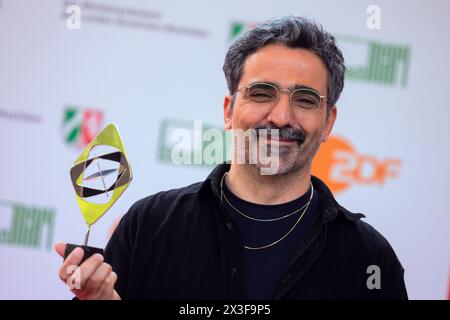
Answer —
(99, 177)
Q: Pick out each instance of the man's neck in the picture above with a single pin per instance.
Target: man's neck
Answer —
(247, 183)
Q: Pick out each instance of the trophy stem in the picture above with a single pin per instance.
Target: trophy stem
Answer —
(86, 237)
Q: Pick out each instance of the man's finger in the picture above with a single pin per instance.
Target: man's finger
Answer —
(60, 247)
(107, 290)
(88, 267)
(72, 260)
(96, 280)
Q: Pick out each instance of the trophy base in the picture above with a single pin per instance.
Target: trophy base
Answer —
(88, 251)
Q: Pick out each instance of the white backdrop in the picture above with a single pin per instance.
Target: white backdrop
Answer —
(150, 66)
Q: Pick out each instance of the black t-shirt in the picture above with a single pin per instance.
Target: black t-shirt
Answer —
(265, 268)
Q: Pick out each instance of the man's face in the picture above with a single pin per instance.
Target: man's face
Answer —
(286, 68)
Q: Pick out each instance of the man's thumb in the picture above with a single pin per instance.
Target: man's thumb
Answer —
(60, 247)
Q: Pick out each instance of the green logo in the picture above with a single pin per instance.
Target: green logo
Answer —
(380, 62)
(29, 226)
(237, 28)
(373, 61)
(183, 142)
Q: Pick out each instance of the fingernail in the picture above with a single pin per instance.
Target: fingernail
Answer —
(78, 252)
(98, 257)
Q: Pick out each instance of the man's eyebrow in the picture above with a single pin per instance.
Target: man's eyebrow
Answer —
(300, 86)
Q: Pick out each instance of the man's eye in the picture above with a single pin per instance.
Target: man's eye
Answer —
(260, 95)
(305, 102)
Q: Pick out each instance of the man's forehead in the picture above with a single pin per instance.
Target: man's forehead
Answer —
(275, 53)
(286, 67)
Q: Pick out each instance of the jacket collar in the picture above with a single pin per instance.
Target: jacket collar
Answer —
(330, 208)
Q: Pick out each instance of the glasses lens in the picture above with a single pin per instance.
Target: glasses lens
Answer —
(262, 93)
(305, 99)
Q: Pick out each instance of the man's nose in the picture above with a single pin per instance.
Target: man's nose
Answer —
(281, 114)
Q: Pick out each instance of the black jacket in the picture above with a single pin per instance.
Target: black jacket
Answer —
(181, 244)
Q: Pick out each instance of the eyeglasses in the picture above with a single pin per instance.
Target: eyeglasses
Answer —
(266, 96)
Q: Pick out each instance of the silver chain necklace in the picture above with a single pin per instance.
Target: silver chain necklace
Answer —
(306, 206)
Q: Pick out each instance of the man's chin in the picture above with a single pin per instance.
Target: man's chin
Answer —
(277, 168)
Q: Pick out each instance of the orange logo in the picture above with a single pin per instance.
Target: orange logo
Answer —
(448, 294)
(340, 166)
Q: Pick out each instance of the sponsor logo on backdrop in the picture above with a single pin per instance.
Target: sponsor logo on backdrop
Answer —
(77, 14)
(80, 125)
(14, 115)
(367, 60)
(192, 142)
(378, 62)
(340, 166)
(237, 28)
(337, 162)
(448, 293)
(26, 225)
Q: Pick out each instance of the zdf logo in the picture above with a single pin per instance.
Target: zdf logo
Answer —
(340, 166)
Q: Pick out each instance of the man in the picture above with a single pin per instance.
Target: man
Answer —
(241, 234)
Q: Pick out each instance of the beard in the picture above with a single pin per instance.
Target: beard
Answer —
(285, 158)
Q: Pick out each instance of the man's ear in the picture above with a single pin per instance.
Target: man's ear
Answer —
(227, 113)
(329, 123)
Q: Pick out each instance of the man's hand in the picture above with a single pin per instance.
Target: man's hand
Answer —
(92, 280)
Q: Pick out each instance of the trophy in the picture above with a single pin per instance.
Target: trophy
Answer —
(99, 177)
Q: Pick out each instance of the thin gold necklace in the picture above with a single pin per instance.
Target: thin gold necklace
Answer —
(306, 206)
(249, 217)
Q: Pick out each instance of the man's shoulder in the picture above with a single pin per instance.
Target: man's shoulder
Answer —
(168, 197)
(347, 226)
(147, 216)
(361, 236)
(162, 204)
(363, 249)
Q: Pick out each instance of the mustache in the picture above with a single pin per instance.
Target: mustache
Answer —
(284, 133)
